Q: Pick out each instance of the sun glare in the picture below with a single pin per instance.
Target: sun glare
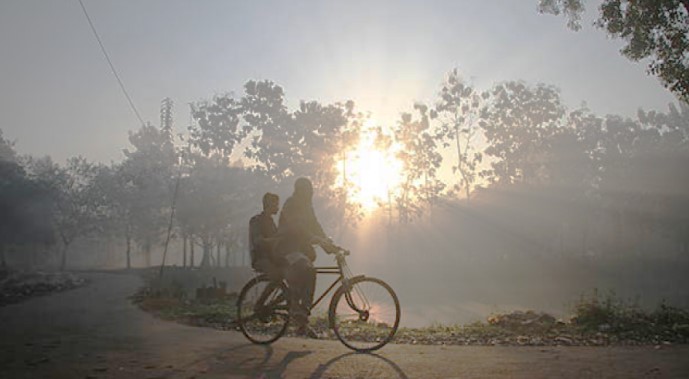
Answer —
(370, 174)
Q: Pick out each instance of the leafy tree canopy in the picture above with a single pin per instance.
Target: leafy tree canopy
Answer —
(653, 29)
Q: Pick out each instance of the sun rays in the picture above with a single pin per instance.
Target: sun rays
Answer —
(370, 173)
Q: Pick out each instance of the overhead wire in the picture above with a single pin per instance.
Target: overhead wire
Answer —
(112, 66)
(136, 112)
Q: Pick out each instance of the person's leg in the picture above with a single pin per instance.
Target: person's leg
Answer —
(266, 267)
(300, 277)
(295, 280)
(309, 273)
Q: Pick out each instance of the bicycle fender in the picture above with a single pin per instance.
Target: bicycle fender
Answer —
(351, 280)
(331, 321)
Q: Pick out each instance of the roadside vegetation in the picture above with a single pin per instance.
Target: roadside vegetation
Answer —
(596, 320)
(16, 285)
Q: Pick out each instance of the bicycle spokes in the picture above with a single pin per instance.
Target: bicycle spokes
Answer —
(263, 310)
(365, 314)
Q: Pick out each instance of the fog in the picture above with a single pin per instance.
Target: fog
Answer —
(477, 199)
(540, 205)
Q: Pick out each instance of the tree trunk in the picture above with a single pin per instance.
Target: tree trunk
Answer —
(63, 259)
(227, 255)
(389, 208)
(191, 252)
(468, 192)
(584, 239)
(184, 250)
(147, 253)
(617, 239)
(217, 253)
(129, 251)
(206, 259)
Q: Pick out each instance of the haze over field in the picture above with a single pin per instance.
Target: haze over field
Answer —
(479, 156)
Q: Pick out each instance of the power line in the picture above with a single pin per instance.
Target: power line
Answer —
(112, 67)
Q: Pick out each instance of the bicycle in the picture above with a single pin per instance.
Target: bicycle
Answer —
(364, 312)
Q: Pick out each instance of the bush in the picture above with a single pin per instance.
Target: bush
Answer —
(609, 313)
(627, 321)
(668, 315)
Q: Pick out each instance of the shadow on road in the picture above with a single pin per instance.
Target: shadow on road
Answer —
(249, 360)
(359, 365)
(262, 362)
(254, 357)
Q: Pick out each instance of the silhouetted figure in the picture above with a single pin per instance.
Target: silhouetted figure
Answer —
(300, 230)
(263, 236)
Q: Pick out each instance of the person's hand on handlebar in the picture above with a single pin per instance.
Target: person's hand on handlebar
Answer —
(326, 243)
(317, 240)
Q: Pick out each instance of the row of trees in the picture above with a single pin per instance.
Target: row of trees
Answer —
(511, 138)
(201, 174)
(517, 145)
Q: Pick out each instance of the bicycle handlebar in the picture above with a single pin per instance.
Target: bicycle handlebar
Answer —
(334, 249)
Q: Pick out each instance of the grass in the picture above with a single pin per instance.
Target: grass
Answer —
(625, 320)
(597, 320)
(219, 313)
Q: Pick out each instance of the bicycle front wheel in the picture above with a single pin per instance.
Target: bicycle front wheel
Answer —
(263, 310)
(364, 314)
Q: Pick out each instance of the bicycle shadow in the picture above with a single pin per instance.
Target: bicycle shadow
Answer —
(277, 371)
(251, 360)
(359, 365)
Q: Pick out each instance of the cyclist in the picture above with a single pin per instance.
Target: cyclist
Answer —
(300, 230)
(263, 236)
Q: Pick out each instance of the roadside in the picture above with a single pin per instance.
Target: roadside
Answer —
(18, 285)
(96, 332)
(597, 320)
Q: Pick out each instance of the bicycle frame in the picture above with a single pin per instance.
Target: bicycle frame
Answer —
(343, 277)
(273, 309)
(332, 270)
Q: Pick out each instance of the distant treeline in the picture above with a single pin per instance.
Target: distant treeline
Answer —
(513, 148)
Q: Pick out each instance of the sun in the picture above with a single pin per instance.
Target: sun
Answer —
(370, 175)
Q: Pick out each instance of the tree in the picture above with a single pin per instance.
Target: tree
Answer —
(459, 110)
(323, 135)
(518, 123)
(420, 162)
(266, 115)
(217, 128)
(645, 184)
(78, 207)
(26, 207)
(149, 170)
(306, 142)
(7, 153)
(216, 201)
(658, 30)
(120, 195)
(349, 138)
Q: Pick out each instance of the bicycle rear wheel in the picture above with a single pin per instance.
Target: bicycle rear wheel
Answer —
(364, 314)
(263, 310)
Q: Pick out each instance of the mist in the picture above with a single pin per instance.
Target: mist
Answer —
(503, 198)
(491, 189)
(474, 190)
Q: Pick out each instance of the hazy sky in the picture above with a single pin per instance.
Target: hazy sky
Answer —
(58, 97)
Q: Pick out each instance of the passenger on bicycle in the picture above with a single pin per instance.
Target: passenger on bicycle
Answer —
(263, 236)
(300, 230)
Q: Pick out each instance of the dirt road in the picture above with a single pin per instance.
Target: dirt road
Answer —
(95, 332)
